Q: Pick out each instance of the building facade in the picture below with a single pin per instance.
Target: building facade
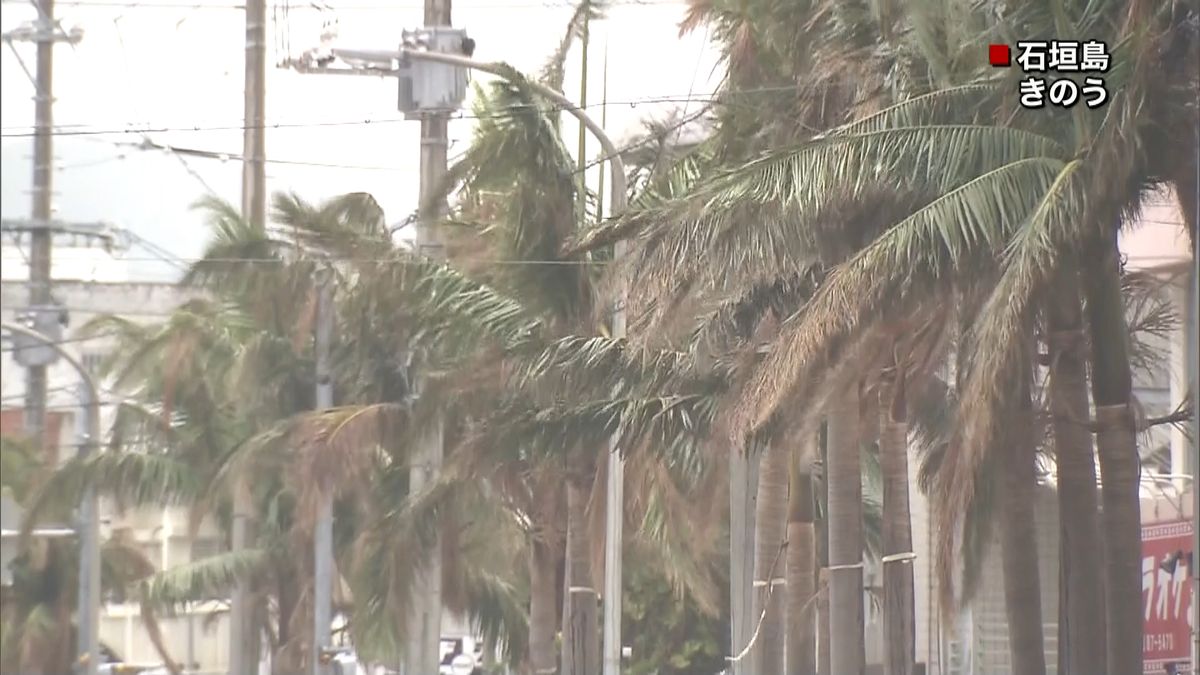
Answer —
(193, 637)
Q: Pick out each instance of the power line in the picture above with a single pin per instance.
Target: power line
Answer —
(51, 390)
(226, 157)
(65, 341)
(378, 261)
(136, 314)
(132, 100)
(650, 139)
(515, 111)
(237, 157)
(125, 4)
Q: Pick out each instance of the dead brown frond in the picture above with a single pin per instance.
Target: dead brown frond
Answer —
(698, 12)
(338, 448)
(305, 321)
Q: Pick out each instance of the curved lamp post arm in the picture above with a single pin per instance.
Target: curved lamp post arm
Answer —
(615, 487)
(88, 380)
(88, 633)
(380, 62)
(619, 199)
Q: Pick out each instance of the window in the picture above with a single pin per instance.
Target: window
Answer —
(92, 361)
(206, 547)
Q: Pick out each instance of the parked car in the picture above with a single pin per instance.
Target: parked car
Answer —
(112, 664)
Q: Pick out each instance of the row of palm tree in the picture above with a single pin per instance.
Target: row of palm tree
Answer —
(876, 256)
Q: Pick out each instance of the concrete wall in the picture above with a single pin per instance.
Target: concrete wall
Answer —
(198, 639)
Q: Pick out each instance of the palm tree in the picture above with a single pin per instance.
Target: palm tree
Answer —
(763, 48)
(36, 619)
(1033, 187)
(518, 169)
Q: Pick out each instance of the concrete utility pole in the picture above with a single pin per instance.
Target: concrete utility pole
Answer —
(244, 639)
(435, 94)
(323, 537)
(88, 521)
(423, 654)
(614, 504)
(43, 195)
(89, 533)
(254, 172)
(44, 317)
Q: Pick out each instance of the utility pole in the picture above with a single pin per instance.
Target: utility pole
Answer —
(89, 536)
(42, 315)
(323, 537)
(43, 322)
(614, 504)
(254, 176)
(425, 621)
(244, 639)
(43, 195)
(422, 91)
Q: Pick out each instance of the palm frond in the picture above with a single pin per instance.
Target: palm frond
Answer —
(920, 253)
(996, 345)
(134, 479)
(585, 11)
(208, 578)
(704, 241)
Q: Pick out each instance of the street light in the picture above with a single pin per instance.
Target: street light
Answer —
(392, 63)
(88, 634)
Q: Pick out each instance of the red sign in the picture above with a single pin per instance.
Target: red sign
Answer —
(1167, 592)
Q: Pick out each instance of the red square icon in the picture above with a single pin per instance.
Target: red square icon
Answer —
(1000, 56)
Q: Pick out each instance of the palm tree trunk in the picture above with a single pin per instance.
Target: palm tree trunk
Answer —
(1079, 517)
(1112, 393)
(243, 634)
(824, 660)
(543, 596)
(743, 492)
(580, 631)
(154, 632)
(844, 479)
(801, 567)
(288, 599)
(1018, 539)
(899, 635)
(769, 560)
(822, 527)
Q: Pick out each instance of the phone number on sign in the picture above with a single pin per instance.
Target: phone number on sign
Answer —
(1159, 642)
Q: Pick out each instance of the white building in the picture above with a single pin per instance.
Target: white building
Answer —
(92, 283)
(978, 644)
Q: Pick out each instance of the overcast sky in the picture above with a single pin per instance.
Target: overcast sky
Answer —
(178, 67)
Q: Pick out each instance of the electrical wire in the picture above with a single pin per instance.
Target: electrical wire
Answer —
(139, 314)
(51, 390)
(236, 157)
(66, 341)
(397, 6)
(514, 111)
(132, 100)
(377, 261)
